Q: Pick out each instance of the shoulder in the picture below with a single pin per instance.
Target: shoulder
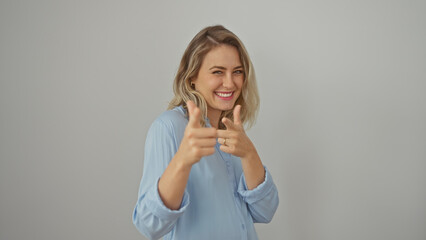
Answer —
(174, 117)
(173, 120)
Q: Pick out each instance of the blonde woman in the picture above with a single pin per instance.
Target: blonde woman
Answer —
(202, 177)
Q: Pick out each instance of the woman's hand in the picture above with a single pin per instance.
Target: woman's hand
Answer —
(234, 140)
(197, 141)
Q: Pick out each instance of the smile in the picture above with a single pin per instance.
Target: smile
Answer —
(224, 95)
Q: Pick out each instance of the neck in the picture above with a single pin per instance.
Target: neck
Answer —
(214, 117)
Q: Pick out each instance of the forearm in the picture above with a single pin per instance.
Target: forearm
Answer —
(253, 169)
(172, 183)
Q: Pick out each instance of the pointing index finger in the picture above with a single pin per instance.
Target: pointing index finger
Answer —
(228, 124)
(223, 134)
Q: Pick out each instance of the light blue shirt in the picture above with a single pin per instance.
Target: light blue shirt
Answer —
(216, 203)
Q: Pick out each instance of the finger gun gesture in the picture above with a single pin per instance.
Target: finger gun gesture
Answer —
(197, 141)
(234, 140)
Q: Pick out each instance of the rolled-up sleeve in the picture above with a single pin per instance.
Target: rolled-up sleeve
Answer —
(150, 216)
(262, 201)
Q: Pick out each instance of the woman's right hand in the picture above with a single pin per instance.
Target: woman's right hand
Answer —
(197, 141)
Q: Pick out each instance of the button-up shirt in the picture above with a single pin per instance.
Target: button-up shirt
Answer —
(216, 203)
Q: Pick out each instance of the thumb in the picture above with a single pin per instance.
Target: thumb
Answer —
(194, 114)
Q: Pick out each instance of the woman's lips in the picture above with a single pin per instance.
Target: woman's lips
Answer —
(224, 95)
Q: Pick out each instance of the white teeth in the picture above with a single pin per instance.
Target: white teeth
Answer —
(224, 94)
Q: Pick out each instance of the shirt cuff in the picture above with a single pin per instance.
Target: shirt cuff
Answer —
(259, 192)
(160, 210)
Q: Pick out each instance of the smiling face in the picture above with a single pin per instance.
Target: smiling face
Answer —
(220, 80)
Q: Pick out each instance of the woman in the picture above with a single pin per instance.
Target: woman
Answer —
(203, 178)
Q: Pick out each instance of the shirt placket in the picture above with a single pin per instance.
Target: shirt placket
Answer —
(234, 186)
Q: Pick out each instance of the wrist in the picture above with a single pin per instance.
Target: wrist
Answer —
(180, 164)
(252, 154)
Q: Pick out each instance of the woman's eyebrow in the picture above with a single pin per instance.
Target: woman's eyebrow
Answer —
(224, 68)
(220, 67)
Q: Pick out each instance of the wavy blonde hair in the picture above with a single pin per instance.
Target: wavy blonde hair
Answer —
(200, 45)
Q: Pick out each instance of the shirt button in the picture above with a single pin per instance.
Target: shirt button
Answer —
(243, 227)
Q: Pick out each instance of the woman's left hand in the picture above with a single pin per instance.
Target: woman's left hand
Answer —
(234, 140)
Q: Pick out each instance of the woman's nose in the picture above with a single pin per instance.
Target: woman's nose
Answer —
(228, 81)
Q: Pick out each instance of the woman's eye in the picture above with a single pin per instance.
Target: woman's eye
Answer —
(217, 72)
(238, 72)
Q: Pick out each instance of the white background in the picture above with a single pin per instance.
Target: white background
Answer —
(342, 124)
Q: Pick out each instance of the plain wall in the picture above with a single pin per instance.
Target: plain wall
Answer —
(342, 124)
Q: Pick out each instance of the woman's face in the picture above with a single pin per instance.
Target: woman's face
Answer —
(220, 79)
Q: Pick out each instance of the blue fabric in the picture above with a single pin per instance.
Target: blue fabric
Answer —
(216, 203)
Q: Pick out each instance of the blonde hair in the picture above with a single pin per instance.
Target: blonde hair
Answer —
(200, 45)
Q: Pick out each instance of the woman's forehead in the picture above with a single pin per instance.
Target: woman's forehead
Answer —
(223, 56)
